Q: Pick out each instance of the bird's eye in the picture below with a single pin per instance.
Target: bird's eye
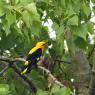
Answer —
(43, 44)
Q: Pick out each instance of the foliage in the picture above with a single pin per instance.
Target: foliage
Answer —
(22, 25)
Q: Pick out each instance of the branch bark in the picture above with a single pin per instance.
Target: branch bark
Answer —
(27, 80)
(62, 61)
(49, 74)
(3, 70)
(11, 62)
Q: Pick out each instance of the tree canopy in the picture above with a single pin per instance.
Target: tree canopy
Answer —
(69, 55)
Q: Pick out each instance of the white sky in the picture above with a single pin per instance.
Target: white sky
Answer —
(49, 23)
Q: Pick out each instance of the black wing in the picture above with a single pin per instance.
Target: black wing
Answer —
(32, 59)
(31, 65)
(35, 55)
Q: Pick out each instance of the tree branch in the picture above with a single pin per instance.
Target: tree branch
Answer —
(3, 70)
(49, 74)
(62, 61)
(3, 58)
(26, 79)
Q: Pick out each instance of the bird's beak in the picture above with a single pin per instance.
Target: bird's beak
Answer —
(45, 43)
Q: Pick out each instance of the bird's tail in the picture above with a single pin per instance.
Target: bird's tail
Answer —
(28, 66)
(24, 69)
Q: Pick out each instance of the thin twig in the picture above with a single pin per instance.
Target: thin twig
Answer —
(40, 67)
(62, 61)
(8, 59)
(1, 72)
(49, 74)
(27, 80)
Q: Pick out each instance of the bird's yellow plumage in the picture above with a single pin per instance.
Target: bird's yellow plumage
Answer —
(26, 63)
(24, 71)
(38, 45)
(33, 56)
(33, 50)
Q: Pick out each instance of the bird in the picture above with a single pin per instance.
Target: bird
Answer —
(33, 57)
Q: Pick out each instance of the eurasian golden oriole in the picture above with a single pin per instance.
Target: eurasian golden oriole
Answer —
(33, 57)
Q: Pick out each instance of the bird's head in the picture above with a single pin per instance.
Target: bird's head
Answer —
(41, 44)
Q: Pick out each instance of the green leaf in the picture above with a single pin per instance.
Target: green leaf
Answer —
(58, 29)
(56, 90)
(27, 18)
(25, 2)
(36, 28)
(2, 10)
(11, 18)
(81, 31)
(57, 51)
(93, 8)
(93, 1)
(7, 29)
(76, 6)
(58, 11)
(63, 3)
(35, 75)
(44, 33)
(70, 10)
(12, 89)
(18, 86)
(73, 20)
(17, 1)
(9, 7)
(86, 9)
(41, 92)
(9, 40)
(32, 9)
(4, 89)
(81, 43)
(55, 26)
(69, 13)
(61, 29)
(67, 91)
(46, 1)
(90, 26)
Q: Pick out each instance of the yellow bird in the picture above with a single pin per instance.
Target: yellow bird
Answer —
(33, 57)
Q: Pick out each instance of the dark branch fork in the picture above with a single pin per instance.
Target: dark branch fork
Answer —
(29, 83)
(10, 63)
